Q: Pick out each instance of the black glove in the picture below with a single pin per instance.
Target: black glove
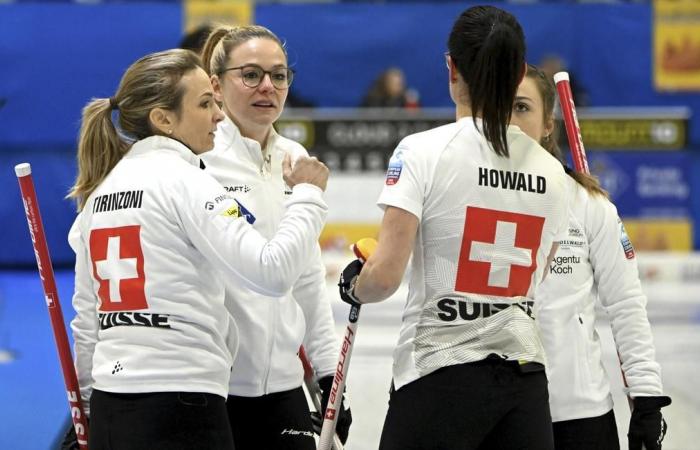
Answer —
(342, 427)
(647, 426)
(346, 284)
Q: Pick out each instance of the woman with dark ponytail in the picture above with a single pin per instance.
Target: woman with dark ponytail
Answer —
(595, 262)
(480, 206)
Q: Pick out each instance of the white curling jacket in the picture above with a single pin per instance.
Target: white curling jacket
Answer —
(595, 261)
(271, 328)
(151, 244)
(487, 225)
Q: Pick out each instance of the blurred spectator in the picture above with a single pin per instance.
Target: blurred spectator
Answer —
(551, 64)
(195, 39)
(389, 91)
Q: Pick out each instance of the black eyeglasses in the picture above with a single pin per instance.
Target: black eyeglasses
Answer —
(252, 75)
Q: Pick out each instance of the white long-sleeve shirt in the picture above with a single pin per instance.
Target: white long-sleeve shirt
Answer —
(151, 243)
(271, 328)
(595, 261)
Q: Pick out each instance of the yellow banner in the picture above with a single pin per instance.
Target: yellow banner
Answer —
(637, 134)
(226, 12)
(660, 235)
(677, 45)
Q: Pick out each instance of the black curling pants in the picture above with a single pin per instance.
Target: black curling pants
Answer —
(279, 421)
(489, 404)
(158, 421)
(582, 434)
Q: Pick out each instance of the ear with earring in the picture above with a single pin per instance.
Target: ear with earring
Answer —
(170, 131)
(546, 138)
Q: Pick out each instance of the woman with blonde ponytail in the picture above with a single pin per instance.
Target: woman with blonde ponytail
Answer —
(594, 262)
(250, 76)
(153, 340)
(97, 134)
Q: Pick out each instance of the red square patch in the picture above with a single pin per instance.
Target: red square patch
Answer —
(498, 253)
(117, 264)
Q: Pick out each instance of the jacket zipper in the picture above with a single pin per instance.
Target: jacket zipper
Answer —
(274, 305)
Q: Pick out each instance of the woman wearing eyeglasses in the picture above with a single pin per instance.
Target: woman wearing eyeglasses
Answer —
(267, 407)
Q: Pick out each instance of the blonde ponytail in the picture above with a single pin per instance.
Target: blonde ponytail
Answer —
(151, 82)
(99, 149)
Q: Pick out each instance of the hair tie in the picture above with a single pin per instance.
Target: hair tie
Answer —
(113, 103)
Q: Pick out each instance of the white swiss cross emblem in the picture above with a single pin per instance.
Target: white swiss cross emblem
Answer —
(502, 254)
(499, 251)
(115, 268)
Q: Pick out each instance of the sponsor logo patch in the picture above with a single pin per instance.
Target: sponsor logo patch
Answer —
(393, 173)
(575, 232)
(293, 432)
(218, 199)
(238, 188)
(245, 213)
(233, 211)
(238, 210)
(625, 241)
(117, 368)
(563, 265)
(567, 243)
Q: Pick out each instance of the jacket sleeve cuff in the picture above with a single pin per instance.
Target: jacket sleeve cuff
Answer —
(324, 366)
(306, 189)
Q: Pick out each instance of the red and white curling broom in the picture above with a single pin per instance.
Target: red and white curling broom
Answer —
(362, 249)
(43, 262)
(314, 391)
(578, 152)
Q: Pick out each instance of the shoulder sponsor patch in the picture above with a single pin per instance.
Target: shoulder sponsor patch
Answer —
(625, 241)
(238, 210)
(233, 211)
(218, 199)
(393, 173)
(245, 213)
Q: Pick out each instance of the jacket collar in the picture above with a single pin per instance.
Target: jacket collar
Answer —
(164, 143)
(230, 133)
(230, 138)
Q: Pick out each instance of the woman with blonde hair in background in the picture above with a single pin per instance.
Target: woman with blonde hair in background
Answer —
(595, 261)
(267, 407)
(152, 239)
